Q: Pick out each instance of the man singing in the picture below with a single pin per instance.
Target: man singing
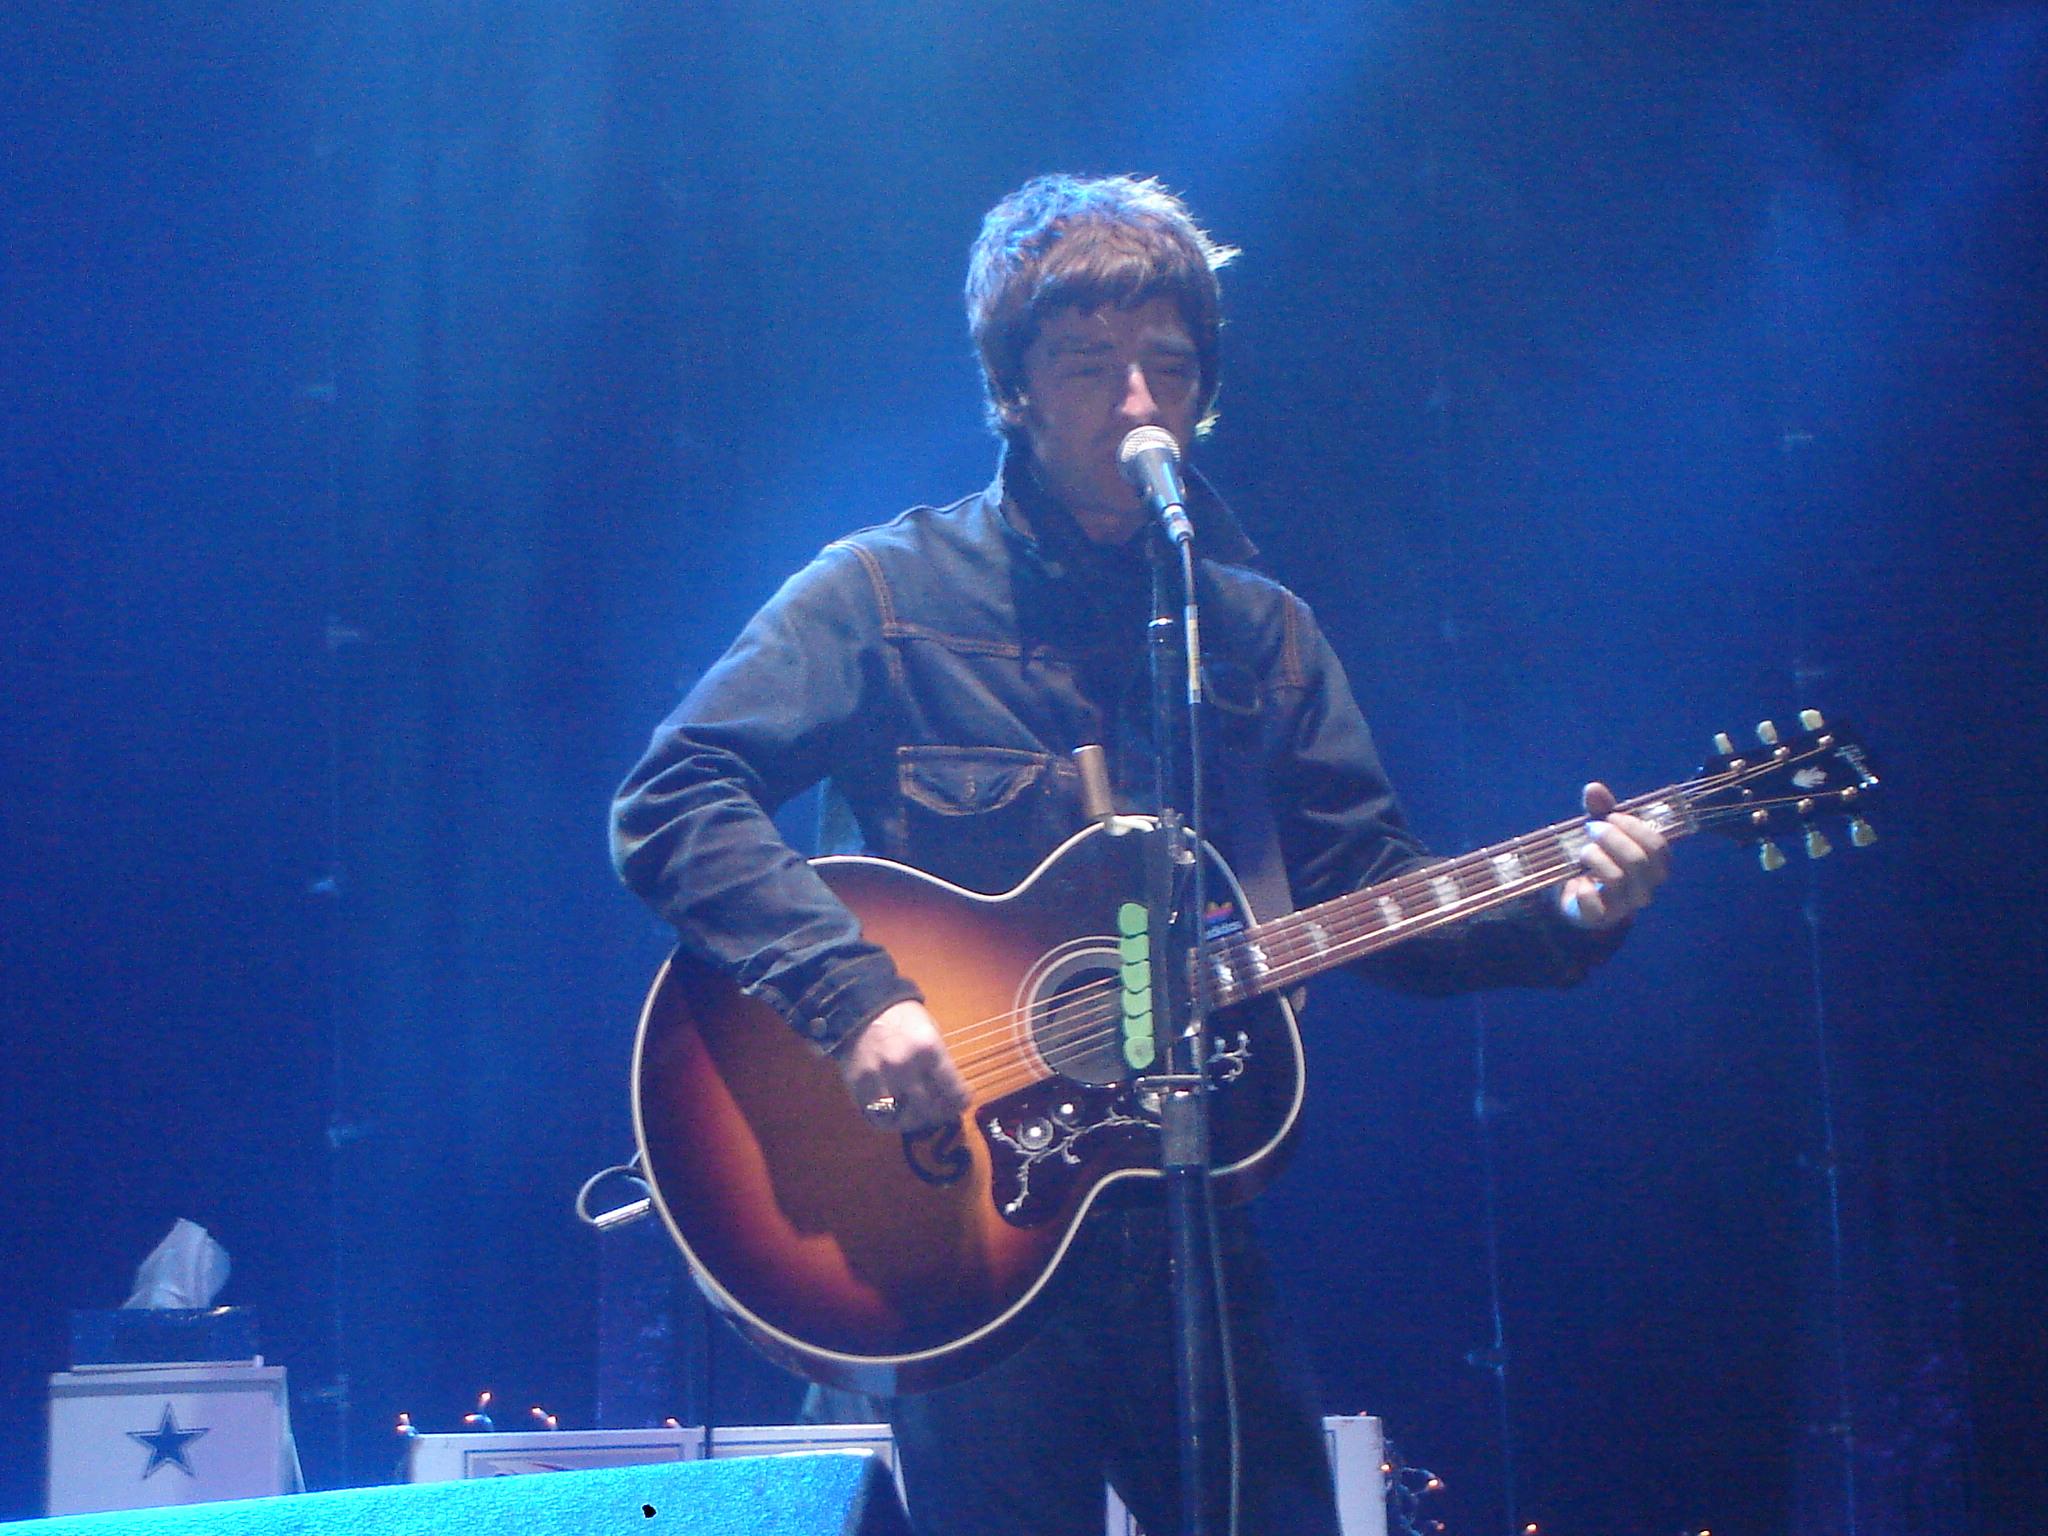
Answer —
(937, 672)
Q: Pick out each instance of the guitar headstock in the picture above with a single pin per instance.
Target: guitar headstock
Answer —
(1788, 786)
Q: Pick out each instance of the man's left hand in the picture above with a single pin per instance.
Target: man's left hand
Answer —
(1625, 862)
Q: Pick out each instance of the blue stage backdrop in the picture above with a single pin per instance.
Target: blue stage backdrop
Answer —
(403, 402)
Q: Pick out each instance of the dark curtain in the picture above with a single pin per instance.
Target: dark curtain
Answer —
(405, 401)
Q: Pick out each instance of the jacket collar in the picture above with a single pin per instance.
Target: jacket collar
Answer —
(1218, 534)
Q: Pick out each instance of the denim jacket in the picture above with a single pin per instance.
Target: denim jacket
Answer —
(939, 670)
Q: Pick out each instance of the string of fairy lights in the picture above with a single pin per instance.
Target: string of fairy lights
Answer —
(1409, 1488)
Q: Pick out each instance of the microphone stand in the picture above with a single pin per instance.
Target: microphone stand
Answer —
(1176, 906)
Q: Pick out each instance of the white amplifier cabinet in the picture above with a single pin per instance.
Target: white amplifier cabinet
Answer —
(455, 1458)
(140, 1436)
(1357, 1452)
(450, 1458)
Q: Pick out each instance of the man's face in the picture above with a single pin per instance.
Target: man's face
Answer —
(1092, 375)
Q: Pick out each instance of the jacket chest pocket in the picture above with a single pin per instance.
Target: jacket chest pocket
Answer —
(982, 817)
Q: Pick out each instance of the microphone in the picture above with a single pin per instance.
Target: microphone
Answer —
(1150, 460)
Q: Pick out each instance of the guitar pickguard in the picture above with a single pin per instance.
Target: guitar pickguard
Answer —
(1041, 1139)
(1036, 1142)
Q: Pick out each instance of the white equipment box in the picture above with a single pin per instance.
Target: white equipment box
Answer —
(804, 1439)
(1355, 1455)
(458, 1458)
(140, 1436)
(1357, 1452)
(453, 1458)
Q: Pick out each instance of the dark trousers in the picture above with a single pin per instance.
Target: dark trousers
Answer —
(1024, 1449)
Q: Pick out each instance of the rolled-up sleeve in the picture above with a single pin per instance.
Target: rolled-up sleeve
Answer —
(692, 829)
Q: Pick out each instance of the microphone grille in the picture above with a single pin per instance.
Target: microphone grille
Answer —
(1141, 439)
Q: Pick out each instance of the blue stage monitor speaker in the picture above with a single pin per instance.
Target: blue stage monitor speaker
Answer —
(835, 1494)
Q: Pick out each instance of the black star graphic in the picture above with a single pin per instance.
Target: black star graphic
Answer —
(167, 1444)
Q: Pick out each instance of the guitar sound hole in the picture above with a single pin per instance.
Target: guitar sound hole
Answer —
(1075, 1022)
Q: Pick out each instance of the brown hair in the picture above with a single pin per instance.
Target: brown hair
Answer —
(1087, 241)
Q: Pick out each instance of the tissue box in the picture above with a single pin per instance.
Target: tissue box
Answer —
(163, 1335)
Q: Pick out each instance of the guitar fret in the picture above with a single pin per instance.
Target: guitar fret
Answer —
(1295, 933)
(1662, 815)
(1256, 954)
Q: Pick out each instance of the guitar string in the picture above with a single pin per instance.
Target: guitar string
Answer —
(1013, 1069)
(1276, 935)
(1297, 964)
(1283, 932)
(1077, 1017)
(1091, 1024)
(1080, 1018)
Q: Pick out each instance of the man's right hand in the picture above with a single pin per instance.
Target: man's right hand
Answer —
(897, 1069)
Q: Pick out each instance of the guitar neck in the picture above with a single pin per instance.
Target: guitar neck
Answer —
(1275, 955)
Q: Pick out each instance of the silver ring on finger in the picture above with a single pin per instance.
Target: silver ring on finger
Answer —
(883, 1107)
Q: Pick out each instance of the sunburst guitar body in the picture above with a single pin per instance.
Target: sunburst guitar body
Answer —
(890, 1263)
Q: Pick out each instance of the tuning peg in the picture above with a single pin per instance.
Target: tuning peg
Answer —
(1810, 720)
(1723, 745)
(1861, 833)
(1770, 855)
(1817, 845)
(1767, 733)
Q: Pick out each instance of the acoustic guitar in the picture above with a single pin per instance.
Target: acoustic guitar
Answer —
(889, 1263)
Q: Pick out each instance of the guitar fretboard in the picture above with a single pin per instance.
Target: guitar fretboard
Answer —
(1286, 951)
